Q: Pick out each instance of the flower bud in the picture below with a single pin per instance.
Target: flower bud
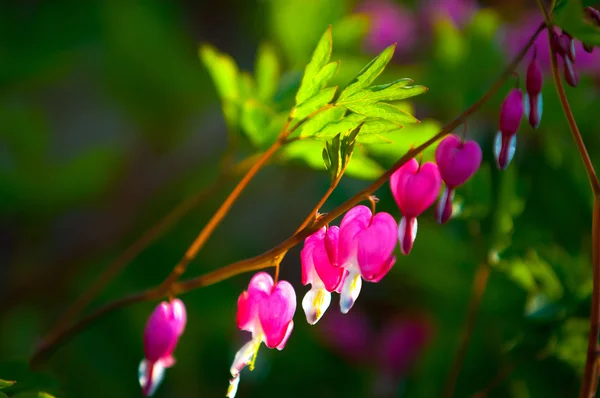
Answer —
(567, 45)
(592, 15)
(533, 98)
(457, 161)
(511, 114)
(571, 73)
(162, 332)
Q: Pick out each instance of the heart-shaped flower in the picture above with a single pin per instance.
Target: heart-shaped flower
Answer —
(366, 245)
(266, 310)
(511, 114)
(457, 161)
(320, 268)
(414, 188)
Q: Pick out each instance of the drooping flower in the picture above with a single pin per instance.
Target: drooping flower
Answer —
(162, 332)
(593, 15)
(457, 161)
(511, 114)
(415, 188)
(266, 310)
(320, 268)
(365, 249)
(533, 97)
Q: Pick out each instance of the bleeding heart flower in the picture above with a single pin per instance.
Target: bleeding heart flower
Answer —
(320, 268)
(457, 161)
(366, 245)
(571, 73)
(533, 98)
(511, 114)
(415, 188)
(162, 332)
(266, 310)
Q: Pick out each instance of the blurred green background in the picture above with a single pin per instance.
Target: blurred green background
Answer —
(108, 119)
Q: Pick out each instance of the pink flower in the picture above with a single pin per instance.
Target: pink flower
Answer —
(511, 114)
(320, 269)
(457, 161)
(266, 310)
(415, 188)
(533, 97)
(365, 249)
(162, 332)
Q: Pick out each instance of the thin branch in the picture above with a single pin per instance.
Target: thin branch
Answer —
(267, 259)
(479, 285)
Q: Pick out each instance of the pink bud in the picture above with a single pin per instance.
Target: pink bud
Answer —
(566, 43)
(571, 73)
(366, 246)
(504, 149)
(592, 15)
(511, 112)
(414, 188)
(162, 332)
(533, 98)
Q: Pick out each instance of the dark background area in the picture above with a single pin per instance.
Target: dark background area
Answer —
(108, 119)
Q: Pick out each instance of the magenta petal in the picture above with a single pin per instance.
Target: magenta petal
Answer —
(276, 312)
(330, 276)
(407, 233)
(331, 245)
(416, 191)
(511, 112)
(306, 255)
(160, 334)
(179, 316)
(288, 332)
(376, 245)
(259, 288)
(443, 211)
(355, 221)
(398, 177)
(457, 161)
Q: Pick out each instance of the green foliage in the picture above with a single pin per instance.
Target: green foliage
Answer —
(338, 152)
(6, 383)
(569, 16)
(267, 71)
(318, 71)
(369, 73)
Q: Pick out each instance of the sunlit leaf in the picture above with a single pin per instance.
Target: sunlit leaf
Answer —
(334, 128)
(312, 81)
(223, 70)
(33, 395)
(383, 111)
(395, 91)
(255, 119)
(369, 73)
(569, 343)
(6, 383)
(320, 120)
(312, 104)
(266, 72)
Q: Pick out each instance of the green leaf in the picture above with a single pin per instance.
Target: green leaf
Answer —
(266, 72)
(3, 395)
(383, 111)
(312, 104)
(378, 131)
(342, 126)
(569, 343)
(255, 119)
(33, 395)
(369, 73)
(6, 383)
(395, 91)
(310, 85)
(222, 69)
(320, 120)
(570, 17)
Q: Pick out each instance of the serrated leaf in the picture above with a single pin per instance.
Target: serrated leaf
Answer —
(320, 120)
(6, 383)
(395, 91)
(312, 104)
(222, 69)
(309, 87)
(378, 131)
(266, 72)
(344, 125)
(383, 111)
(254, 120)
(325, 74)
(369, 73)
(570, 17)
